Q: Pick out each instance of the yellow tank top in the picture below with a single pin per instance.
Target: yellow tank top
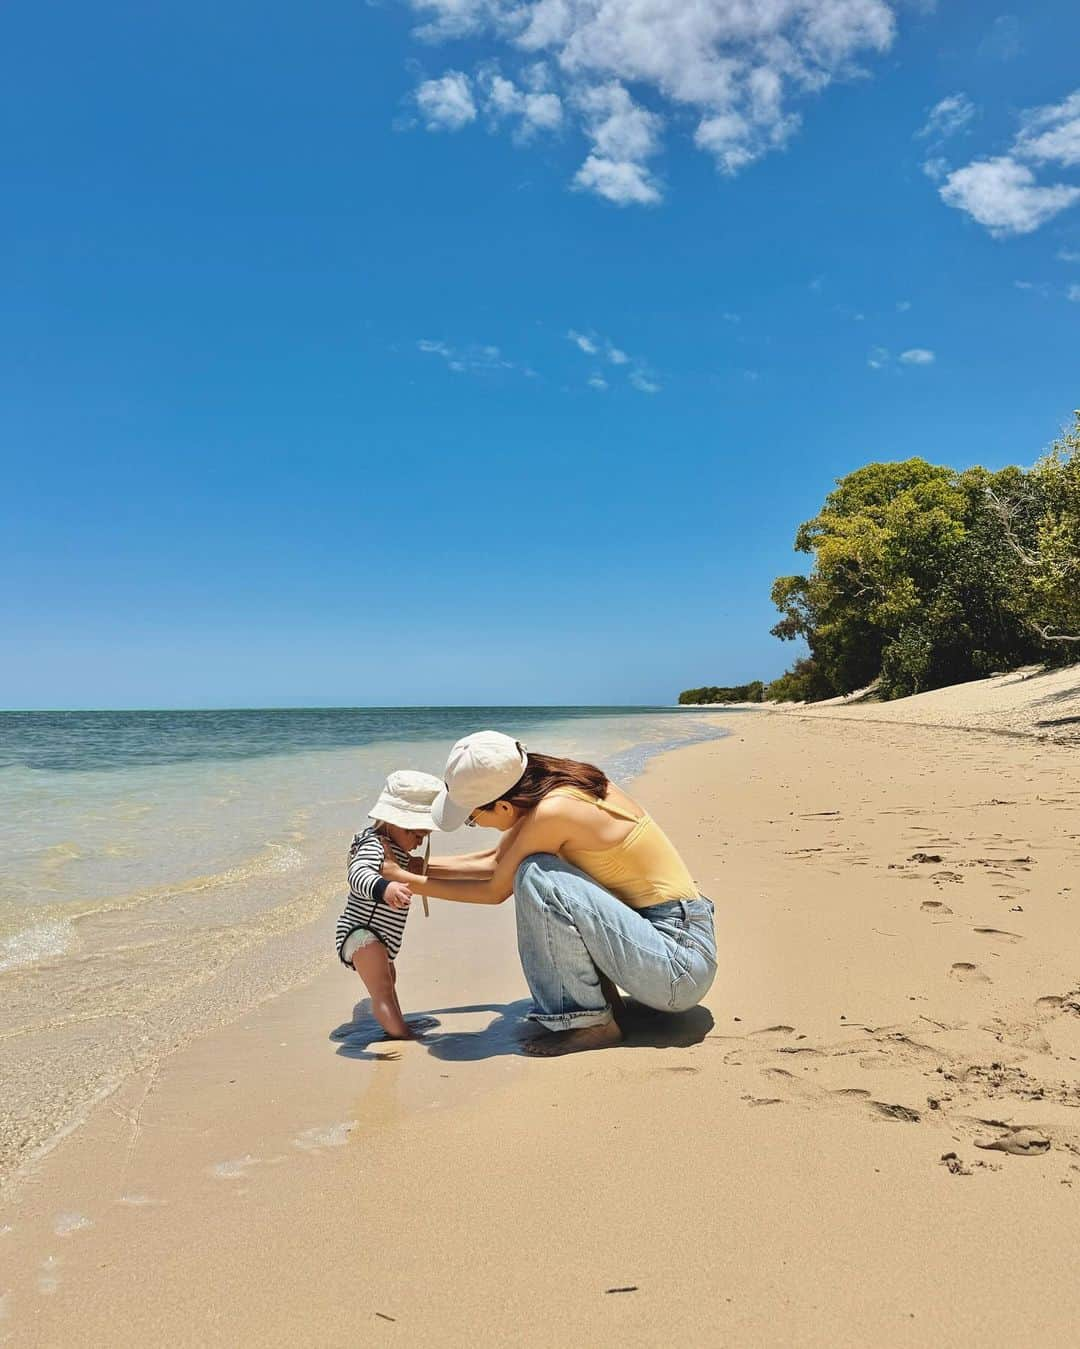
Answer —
(644, 869)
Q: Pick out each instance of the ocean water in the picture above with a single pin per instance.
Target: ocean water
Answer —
(161, 872)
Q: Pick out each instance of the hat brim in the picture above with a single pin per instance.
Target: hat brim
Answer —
(388, 813)
(447, 814)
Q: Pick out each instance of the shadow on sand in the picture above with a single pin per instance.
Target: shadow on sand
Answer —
(363, 1037)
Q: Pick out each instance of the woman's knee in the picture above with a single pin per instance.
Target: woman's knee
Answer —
(532, 869)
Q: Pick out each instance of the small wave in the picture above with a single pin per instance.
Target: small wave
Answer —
(59, 854)
(34, 944)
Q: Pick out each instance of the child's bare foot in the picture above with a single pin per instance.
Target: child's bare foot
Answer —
(411, 1027)
(421, 1024)
(556, 1043)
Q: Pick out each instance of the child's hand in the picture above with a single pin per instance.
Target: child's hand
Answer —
(398, 895)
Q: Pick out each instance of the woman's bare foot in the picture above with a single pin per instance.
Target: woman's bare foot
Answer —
(556, 1043)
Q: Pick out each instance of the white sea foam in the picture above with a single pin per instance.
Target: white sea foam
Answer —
(34, 944)
(48, 1280)
(327, 1136)
(233, 1170)
(66, 1223)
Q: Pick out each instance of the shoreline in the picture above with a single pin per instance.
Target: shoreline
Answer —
(147, 970)
(871, 1014)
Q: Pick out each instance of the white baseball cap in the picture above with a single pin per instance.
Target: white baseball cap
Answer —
(481, 767)
(406, 800)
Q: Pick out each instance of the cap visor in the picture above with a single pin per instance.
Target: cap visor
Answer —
(447, 814)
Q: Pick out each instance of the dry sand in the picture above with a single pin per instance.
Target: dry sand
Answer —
(1032, 701)
(899, 982)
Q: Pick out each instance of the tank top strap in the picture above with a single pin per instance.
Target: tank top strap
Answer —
(577, 794)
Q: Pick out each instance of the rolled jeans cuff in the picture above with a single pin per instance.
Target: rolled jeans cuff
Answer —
(573, 1020)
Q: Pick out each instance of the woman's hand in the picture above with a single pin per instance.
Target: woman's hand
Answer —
(398, 895)
(390, 868)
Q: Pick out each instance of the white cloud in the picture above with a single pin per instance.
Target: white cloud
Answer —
(1068, 255)
(599, 383)
(1002, 192)
(643, 382)
(737, 67)
(474, 359)
(917, 356)
(583, 341)
(1004, 196)
(593, 344)
(1002, 43)
(878, 358)
(1052, 134)
(446, 104)
(947, 118)
(534, 109)
(620, 181)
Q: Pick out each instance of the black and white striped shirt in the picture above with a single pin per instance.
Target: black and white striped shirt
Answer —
(367, 884)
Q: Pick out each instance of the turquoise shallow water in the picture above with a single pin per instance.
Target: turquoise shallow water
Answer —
(163, 872)
(98, 809)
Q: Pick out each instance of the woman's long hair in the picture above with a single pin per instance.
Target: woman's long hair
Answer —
(543, 773)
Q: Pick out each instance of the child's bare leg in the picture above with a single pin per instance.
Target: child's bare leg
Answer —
(373, 964)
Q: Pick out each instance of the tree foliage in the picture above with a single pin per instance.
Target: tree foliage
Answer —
(713, 693)
(923, 575)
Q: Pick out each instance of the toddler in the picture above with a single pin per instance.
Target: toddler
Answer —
(370, 930)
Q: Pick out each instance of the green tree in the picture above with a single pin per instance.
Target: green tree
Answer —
(1038, 515)
(913, 578)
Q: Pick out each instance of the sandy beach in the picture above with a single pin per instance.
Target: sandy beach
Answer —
(869, 1134)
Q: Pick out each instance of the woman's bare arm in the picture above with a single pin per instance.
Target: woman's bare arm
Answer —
(542, 830)
(465, 865)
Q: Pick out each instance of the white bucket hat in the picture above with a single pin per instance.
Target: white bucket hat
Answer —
(406, 800)
(480, 768)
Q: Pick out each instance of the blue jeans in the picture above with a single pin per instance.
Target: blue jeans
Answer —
(571, 930)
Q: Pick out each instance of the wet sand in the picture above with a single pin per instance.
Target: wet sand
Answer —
(798, 1162)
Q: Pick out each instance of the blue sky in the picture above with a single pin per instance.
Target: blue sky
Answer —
(470, 351)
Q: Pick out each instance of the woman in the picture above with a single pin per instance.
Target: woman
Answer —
(602, 897)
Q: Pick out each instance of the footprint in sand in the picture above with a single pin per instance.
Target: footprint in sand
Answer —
(998, 935)
(968, 973)
(888, 1110)
(775, 1030)
(934, 906)
(325, 1136)
(1053, 1005)
(1018, 1143)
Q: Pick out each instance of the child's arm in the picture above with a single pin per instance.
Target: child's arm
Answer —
(366, 880)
